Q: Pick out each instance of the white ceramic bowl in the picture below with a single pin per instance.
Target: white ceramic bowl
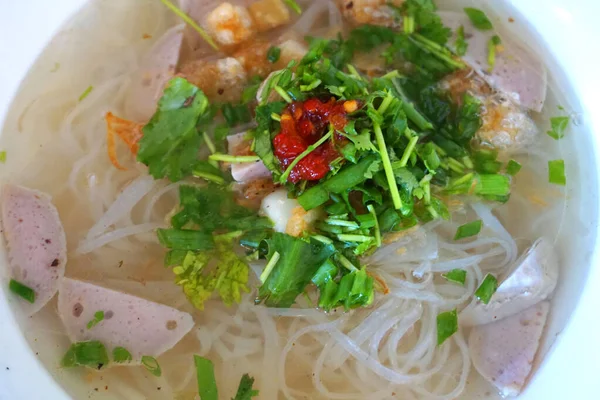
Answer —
(568, 29)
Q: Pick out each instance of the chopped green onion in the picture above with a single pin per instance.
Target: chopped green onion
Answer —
(513, 167)
(192, 23)
(461, 44)
(3, 156)
(456, 275)
(273, 54)
(313, 85)
(283, 93)
(294, 6)
(486, 290)
(209, 143)
(556, 172)
(559, 125)
(86, 92)
(376, 227)
(275, 117)
(205, 374)
(151, 365)
(467, 230)
(86, 354)
(479, 19)
(233, 159)
(269, 267)
(355, 238)
(492, 45)
(341, 222)
(245, 390)
(185, 239)
(492, 185)
(323, 239)
(98, 317)
(22, 290)
(447, 325)
(121, 355)
(345, 262)
(409, 24)
(306, 152)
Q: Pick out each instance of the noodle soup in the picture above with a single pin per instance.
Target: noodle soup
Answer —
(456, 133)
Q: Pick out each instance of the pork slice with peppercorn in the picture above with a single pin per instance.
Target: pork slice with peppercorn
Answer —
(143, 327)
(37, 246)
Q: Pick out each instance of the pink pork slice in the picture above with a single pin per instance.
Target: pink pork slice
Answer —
(143, 327)
(37, 246)
(517, 73)
(503, 352)
(156, 68)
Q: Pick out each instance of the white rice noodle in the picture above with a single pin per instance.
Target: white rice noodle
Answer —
(90, 245)
(306, 23)
(122, 205)
(495, 225)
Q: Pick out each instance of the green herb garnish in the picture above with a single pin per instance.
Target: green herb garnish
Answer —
(469, 229)
(273, 54)
(513, 167)
(151, 365)
(456, 275)
(121, 355)
(294, 6)
(245, 391)
(479, 19)
(177, 11)
(3, 156)
(205, 374)
(447, 325)
(98, 317)
(461, 44)
(22, 290)
(86, 354)
(86, 92)
(486, 290)
(559, 126)
(556, 172)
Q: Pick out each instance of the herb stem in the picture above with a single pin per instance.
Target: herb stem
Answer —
(283, 94)
(345, 262)
(233, 159)
(341, 222)
(408, 151)
(306, 152)
(376, 227)
(387, 166)
(354, 238)
(190, 22)
(269, 267)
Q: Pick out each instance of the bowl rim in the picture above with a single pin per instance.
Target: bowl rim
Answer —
(560, 24)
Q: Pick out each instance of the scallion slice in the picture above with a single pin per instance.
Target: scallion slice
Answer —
(486, 290)
(447, 325)
(151, 365)
(456, 275)
(121, 355)
(556, 172)
(21, 290)
(86, 354)
(469, 229)
(98, 317)
(513, 167)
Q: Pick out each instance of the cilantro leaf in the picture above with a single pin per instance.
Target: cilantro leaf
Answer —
(298, 263)
(205, 376)
(169, 146)
(479, 19)
(461, 44)
(263, 135)
(469, 119)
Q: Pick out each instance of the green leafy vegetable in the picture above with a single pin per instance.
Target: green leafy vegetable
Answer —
(185, 239)
(461, 44)
(298, 263)
(556, 172)
(559, 126)
(479, 19)
(151, 365)
(456, 275)
(121, 355)
(513, 167)
(86, 354)
(447, 325)
(22, 290)
(486, 290)
(469, 229)
(236, 114)
(98, 317)
(293, 5)
(245, 391)
(492, 47)
(273, 54)
(205, 374)
(170, 141)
